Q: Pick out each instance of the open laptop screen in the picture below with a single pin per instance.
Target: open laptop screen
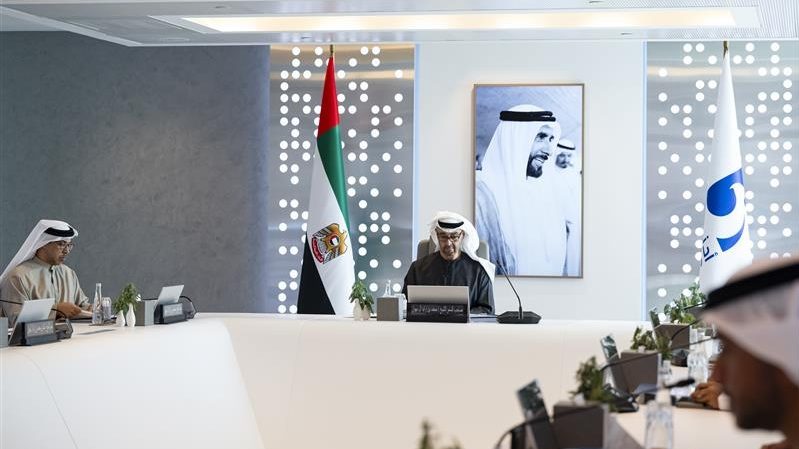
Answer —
(438, 294)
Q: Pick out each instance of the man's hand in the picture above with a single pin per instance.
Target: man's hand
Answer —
(708, 393)
(68, 309)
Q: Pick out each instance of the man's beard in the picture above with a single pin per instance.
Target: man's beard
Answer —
(534, 172)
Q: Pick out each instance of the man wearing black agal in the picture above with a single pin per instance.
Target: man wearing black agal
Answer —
(456, 262)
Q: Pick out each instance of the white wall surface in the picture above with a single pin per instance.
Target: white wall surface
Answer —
(613, 218)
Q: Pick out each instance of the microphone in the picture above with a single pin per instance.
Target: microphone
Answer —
(699, 304)
(522, 317)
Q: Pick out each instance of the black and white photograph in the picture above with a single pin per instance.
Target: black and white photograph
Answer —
(528, 148)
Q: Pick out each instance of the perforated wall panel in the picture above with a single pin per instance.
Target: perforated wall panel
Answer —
(682, 81)
(375, 96)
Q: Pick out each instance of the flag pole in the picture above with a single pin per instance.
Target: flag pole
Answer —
(333, 50)
(724, 43)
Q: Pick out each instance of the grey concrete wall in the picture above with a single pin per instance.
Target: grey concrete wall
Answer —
(156, 155)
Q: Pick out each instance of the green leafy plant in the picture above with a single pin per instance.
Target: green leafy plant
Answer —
(429, 438)
(126, 298)
(590, 383)
(361, 294)
(649, 341)
(677, 310)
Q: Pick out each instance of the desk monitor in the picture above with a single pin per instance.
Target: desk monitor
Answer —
(439, 294)
(31, 310)
(609, 347)
(170, 294)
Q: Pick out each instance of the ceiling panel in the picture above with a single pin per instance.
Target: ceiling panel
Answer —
(132, 23)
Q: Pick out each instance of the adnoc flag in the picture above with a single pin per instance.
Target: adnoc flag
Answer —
(726, 247)
(328, 267)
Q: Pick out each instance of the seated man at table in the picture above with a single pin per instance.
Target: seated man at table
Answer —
(37, 271)
(456, 262)
(757, 314)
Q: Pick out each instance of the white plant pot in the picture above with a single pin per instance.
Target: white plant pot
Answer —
(120, 319)
(130, 316)
(359, 313)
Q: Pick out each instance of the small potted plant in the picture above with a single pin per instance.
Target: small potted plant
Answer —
(639, 365)
(430, 438)
(124, 305)
(593, 401)
(680, 314)
(363, 301)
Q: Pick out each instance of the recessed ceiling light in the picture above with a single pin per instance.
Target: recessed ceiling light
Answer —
(173, 39)
(658, 18)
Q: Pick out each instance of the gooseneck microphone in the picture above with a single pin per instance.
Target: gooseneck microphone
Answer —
(522, 317)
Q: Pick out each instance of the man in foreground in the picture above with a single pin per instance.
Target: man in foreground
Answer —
(757, 314)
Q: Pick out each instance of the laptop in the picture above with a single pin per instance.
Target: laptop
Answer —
(609, 347)
(170, 294)
(35, 310)
(439, 294)
(31, 310)
(532, 401)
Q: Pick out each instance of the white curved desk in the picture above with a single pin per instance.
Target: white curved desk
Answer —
(274, 381)
(157, 387)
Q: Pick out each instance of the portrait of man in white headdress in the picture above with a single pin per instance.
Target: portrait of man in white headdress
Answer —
(528, 178)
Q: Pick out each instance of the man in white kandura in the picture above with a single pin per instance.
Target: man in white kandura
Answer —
(38, 271)
(520, 212)
(456, 262)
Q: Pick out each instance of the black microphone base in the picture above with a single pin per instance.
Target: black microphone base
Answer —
(512, 317)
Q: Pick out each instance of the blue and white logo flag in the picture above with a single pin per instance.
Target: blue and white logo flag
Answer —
(726, 247)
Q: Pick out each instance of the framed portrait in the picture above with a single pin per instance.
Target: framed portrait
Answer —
(528, 185)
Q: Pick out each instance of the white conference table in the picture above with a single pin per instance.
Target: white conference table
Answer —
(273, 381)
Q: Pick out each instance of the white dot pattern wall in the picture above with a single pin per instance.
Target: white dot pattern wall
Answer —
(682, 87)
(375, 95)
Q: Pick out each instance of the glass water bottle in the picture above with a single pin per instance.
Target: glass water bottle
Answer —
(97, 305)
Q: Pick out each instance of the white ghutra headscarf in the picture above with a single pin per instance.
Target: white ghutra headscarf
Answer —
(450, 222)
(45, 231)
(528, 211)
(758, 308)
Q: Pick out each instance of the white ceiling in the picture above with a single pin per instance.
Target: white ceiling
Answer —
(131, 22)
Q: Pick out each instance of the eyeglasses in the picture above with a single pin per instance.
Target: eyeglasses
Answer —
(64, 245)
(452, 237)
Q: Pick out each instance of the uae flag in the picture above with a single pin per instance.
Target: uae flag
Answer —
(328, 266)
(726, 247)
